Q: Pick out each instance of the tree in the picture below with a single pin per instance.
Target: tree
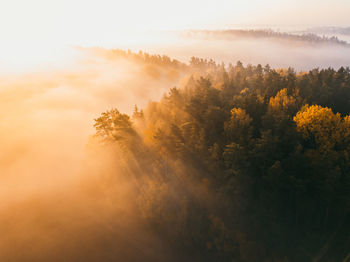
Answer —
(238, 129)
(320, 127)
(113, 126)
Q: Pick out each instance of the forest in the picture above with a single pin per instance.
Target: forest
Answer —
(330, 30)
(238, 163)
(175, 131)
(304, 37)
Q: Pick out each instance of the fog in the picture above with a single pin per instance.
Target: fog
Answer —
(278, 53)
(58, 202)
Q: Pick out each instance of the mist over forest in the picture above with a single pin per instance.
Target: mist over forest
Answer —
(301, 50)
(207, 145)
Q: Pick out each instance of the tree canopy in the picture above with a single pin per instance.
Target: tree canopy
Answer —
(245, 163)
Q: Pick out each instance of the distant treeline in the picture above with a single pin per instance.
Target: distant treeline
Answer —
(159, 60)
(237, 33)
(330, 30)
(242, 163)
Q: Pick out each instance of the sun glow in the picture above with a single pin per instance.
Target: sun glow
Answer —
(33, 32)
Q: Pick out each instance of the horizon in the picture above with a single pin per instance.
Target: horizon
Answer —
(202, 130)
(48, 28)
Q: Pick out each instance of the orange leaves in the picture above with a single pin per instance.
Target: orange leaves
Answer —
(281, 101)
(324, 128)
(240, 117)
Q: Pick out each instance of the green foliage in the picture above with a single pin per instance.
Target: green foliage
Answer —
(240, 167)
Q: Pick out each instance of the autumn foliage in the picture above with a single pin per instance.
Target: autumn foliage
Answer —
(244, 163)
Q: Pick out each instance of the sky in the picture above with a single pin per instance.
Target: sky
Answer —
(41, 27)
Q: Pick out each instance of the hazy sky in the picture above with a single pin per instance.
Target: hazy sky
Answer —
(81, 20)
(30, 26)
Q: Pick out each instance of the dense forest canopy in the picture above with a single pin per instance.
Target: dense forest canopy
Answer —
(233, 163)
(179, 152)
(241, 163)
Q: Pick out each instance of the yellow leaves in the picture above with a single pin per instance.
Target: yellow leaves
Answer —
(281, 101)
(346, 126)
(240, 117)
(238, 128)
(244, 91)
(321, 126)
(346, 123)
(282, 71)
(301, 74)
